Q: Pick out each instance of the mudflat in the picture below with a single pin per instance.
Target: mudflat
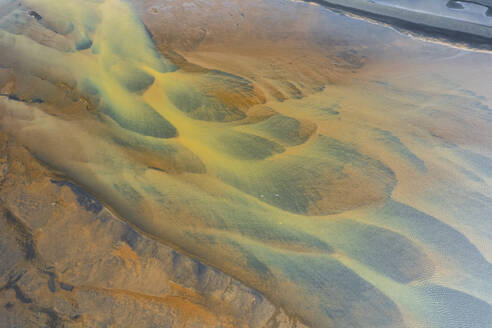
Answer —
(239, 164)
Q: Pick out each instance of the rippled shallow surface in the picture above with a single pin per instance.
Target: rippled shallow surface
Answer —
(472, 11)
(340, 168)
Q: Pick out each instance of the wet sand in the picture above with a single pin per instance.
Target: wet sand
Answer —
(338, 167)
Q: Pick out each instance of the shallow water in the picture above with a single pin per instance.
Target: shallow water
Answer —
(470, 12)
(338, 167)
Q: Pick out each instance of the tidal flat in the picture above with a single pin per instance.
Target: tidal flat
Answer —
(334, 171)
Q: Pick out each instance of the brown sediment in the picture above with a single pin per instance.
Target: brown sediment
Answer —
(59, 268)
(249, 145)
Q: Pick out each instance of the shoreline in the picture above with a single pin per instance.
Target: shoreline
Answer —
(472, 36)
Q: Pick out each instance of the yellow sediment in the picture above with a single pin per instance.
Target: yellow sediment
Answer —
(284, 208)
